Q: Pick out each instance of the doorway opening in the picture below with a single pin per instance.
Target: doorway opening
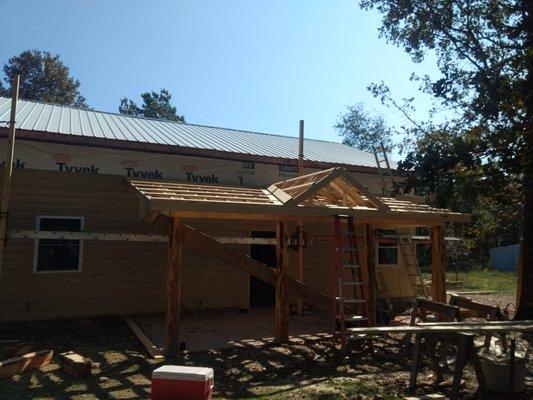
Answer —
(261, 293)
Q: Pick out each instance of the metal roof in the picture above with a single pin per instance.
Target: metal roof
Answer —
(52, 118)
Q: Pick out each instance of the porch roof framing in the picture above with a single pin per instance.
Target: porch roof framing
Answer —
(312, 197)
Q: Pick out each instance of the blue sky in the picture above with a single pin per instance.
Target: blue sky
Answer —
(245, 64)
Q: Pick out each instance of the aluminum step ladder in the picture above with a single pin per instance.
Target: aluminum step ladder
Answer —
(349, 306)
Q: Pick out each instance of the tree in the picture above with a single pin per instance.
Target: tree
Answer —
(155, 105)
(361, 130)
(484, 53)
(43, 77)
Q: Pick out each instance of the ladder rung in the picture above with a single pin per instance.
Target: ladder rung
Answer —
(351, 301)
(352, 283)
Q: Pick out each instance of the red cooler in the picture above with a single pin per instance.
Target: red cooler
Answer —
(175, 382)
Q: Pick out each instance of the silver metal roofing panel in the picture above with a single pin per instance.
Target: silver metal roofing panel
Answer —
(52, 118)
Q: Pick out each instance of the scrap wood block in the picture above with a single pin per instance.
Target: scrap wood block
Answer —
(75, 365)
(26, 362)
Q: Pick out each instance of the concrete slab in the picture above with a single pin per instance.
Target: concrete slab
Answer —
(216, 330)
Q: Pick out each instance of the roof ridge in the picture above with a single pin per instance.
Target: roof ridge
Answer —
(177, 122)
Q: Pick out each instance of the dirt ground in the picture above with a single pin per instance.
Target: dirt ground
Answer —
(373, 369)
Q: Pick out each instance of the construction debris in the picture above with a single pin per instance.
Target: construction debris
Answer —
(75, 365)
(26, 362)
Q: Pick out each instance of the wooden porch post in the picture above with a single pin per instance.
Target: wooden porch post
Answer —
(282, 273)
(438, 273)
(367, 272)
(172, 321)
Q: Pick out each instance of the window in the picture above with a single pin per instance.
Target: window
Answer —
(387, 254)
(58, 255)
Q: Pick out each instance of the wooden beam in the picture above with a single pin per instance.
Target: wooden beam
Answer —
(150, 347)
(300, 264)
(208, 245)
(8, 168)
(282, 275)
(519, 272)
(315, 187)
(442, 328)
(367, 271)
(317, 214)
(172, 320)
(26, 362)
(438, 272)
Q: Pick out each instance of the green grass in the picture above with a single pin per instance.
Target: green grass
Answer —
(498, 281)
(484, 279)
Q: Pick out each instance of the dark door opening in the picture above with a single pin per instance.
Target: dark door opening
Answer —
(262, 294)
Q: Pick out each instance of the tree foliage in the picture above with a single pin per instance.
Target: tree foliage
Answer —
(483, 151)
(155, 105)
(361, 130)
(43, 77)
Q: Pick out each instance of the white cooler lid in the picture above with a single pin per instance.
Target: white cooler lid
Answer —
(183, 373)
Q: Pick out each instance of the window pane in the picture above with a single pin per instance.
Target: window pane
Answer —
(388, 255)
(60, 224)
(57, 254)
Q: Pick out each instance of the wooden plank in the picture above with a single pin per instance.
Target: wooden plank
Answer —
(481, 310)
(24, 363)
(446, 312)
(442, 328)
(150, 347)
(282, 274)
(438, 272)
(475, 323)
(172, 320)
(97, 236)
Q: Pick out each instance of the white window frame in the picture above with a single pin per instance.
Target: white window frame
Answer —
(36, 246)
(388, 245)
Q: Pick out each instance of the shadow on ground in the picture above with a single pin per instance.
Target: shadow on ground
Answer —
(121, 369)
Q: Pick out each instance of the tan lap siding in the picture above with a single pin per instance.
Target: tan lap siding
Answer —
(116, 277)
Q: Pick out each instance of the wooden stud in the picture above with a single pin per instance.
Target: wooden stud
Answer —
(172, 321)
(8, 168)
(367, 271)
(300, 264)
(300, 228)
(282, 275)
(438, 272)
